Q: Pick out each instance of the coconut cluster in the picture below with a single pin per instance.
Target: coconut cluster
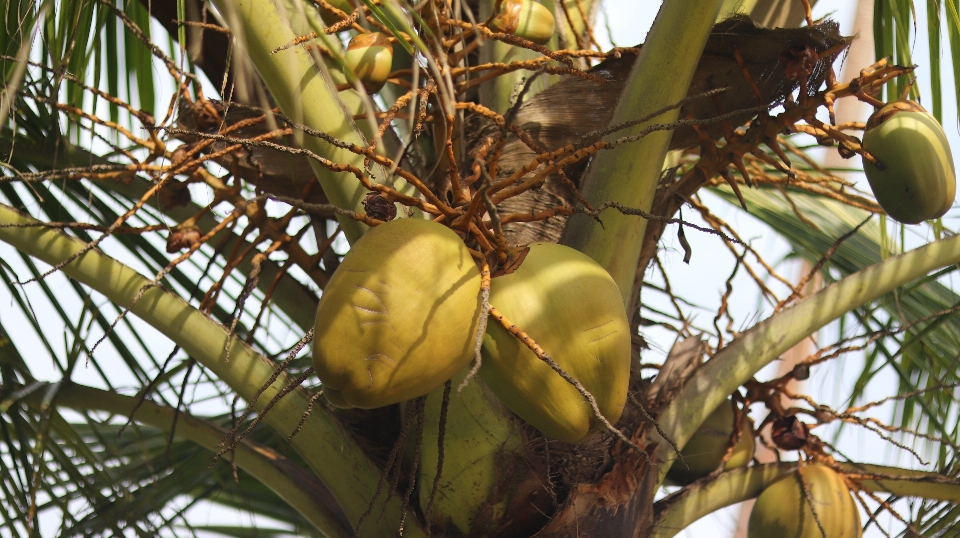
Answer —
(400, 315)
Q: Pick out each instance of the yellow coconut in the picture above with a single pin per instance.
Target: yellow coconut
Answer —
(782, 510)
(525, 18)
(398, 317)
(916, 180)
(370, 57)
(704, 451)
(571, 306)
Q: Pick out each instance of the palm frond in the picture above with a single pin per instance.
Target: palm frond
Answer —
(926, 354)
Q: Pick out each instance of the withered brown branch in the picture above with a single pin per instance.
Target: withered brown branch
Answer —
(593, 135)
(76, 111)
(571, 154)
(509, 39)
(233, 216)
(728, 290)
(719, 224)
(435, 208)
(171, 65)
(87, 226)
(78, 172)
(290, 387)
(840, 348)
(819, 265)
(498, 70)
(911, 394)
(325, 209)
(765, 129)
(571, 210)
(204, 25)
(826, 415)
(278, 370)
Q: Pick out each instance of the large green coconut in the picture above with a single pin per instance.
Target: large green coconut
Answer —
(783, 511)
(398, 317)
(572, 308)
(918, 181)
(704, 451)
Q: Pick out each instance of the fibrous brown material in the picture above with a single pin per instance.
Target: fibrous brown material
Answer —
(567, 112)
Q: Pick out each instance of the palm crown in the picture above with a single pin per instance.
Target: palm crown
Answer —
(185, 240)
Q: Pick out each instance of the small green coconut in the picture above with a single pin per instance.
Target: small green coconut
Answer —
(572, 308)
(704, 451)
(782, 510)
(330, 18)
(525, 18)
(370, 57)
(399, 316)
(917, 181)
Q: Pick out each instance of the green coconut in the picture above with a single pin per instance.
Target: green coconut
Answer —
(399, 316)
(572, 308)
(370, 57)
(330, 18)
(917, 181)
(525, 18)
(782, 510)
(704, 451)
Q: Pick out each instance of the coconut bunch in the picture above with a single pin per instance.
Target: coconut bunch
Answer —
(400, 317)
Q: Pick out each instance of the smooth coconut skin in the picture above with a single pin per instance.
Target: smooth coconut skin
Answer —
(399, 316)
(370, 57)
(704, 451)
(572, 308)
(525, 18)
(783, 511)
(919, 181)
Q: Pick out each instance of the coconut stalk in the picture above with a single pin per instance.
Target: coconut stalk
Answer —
(678, 511)
(298, 488)
(324, 444)
(630, 173)
(752, 350)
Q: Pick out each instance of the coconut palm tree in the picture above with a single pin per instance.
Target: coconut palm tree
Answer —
(183, 179)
